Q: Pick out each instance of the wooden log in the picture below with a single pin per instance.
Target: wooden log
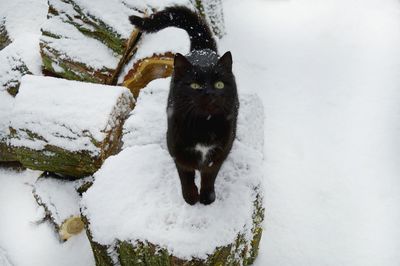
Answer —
(81, 41)
(148, 69)
(67, 127)
(60, 201)
(137, 194)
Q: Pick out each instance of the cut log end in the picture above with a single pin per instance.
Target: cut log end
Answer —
(147, 69)
(71, 227)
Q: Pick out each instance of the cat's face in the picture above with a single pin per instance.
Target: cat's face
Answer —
(209, 87)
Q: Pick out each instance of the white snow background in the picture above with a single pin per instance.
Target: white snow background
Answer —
(329, 76)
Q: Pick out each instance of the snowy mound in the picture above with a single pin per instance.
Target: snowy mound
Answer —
(137, 196)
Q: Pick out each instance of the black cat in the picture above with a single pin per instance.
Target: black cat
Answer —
(202, 103)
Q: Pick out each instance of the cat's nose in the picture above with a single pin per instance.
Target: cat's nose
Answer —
(208, 91)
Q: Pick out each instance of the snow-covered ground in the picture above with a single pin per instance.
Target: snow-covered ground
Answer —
(329, 76)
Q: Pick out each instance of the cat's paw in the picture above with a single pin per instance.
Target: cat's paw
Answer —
(191, 197)
(207, 197)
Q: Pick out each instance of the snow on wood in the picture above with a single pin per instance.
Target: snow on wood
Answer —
(135, 211)
(60, 200)
(212, 10)
(67, 127)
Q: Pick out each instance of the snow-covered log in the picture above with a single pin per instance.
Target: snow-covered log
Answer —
(85, 40)
(134, 211)
(60, 201)
(67, 127)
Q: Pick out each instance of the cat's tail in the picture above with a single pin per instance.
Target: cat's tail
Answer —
(182, 17)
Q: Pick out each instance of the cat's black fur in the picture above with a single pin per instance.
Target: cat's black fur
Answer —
(202, 119)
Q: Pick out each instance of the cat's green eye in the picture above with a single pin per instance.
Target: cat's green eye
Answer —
(195, 86)
(219, 85)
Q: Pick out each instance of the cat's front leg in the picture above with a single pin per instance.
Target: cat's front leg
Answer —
(189, 188)
(207, 191)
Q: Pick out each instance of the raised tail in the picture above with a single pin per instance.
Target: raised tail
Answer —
(181, 17)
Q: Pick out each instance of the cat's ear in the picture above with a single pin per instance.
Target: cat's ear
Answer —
(226, 61)
(181, 65)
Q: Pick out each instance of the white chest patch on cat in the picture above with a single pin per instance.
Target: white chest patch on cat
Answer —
(204, 150)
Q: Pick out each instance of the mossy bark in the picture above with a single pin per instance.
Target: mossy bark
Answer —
(7, 154)
(58, 160)
(137, 253)
(4, 39)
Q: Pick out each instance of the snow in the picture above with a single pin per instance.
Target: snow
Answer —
(23, 17)
(328, 75)
(133, 130)
(67, 114)
(4, 260)
(148, 199)
(173, 40)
